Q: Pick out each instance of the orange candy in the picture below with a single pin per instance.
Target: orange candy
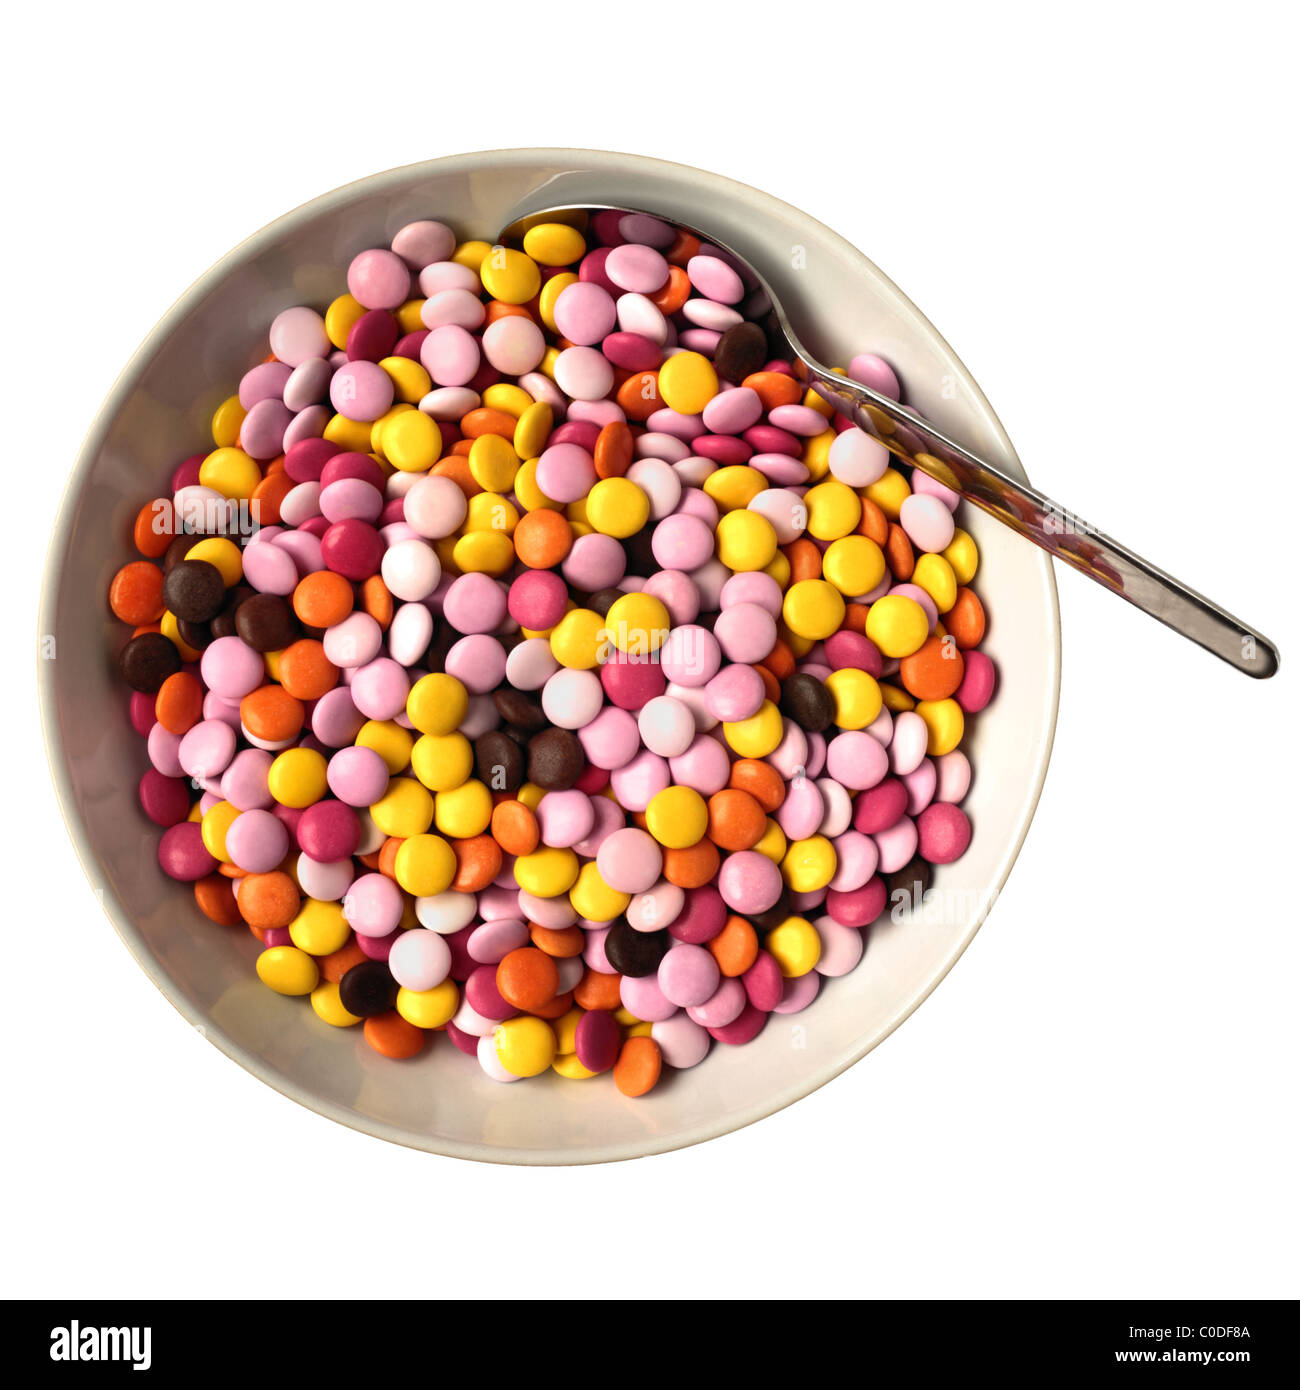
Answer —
(761, 780)
(774, 389)
(515, 828)
(693, 867)
(478, 862)
(305, 671)
(562, 944)
(527, 978)
(638, 1066)
(736, 820)
(392, 1036)
(271, 713)
(805, 560)
(965, 620)
(639, 396)
(154, 528)
(136, 593)
(334, 966)
(614, 452)
(268, 900)
(898, 553)
(598, 990)
(675, 293)
(542, 538)
(485, 420)
(215, 896)
(323, 599)
(934, 671)
(735, 947)
(377, 601)
(873, 522)
(178, 706)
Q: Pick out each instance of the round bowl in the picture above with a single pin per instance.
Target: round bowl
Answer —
(158, 411)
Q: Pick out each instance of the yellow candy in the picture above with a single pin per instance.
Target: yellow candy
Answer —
(547, 364)
(896, 700)
(746, 540)
(547, 872)
(617, 507)
(493, 463)
(352, 436)
(593, 898)
(429, 1008)
(856, 697)
(227, 420)
(551, 291)
(442, 762)
(424, 865)
(817, 455)
(379, 428)
(889, 492)
(565, 1029)
(569, 1067)
(411, 383)
(625, 1017)
(463, 811)
(795, 945)
(779, 569)
(898, 625)
(677, 817)
(412, 442)
(297, 777)
(946, 723)
(509, 276)
(963, 555)
(552, 243)
(505, 395)
(170, 629)
(391, 741)
(319, 928)
(230, 472)
(405, 809)
(214, 826)
(489, 511)
(834, 509)
(410, 316)
(342, 313)
(329, 1007)
(758, 735)
(287, 970)
(637, 624)
(812, 608)
(734, 486)
(854, 564)
(687, 382)
(471, 254)
(222, 552)
(530, 496)
(773, 844)
(577, 639)
(436, 705)
(530, 794)
(935, 575)
(533, 430)
(525, 1046)
(484, 552)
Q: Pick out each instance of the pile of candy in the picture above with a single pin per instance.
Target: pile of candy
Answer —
(552, 669)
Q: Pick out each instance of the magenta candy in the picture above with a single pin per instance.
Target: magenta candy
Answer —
(352, 548)
(373, 336)
(702, 917)
(943, 832)
(976, 688)
(182, 855)
(597, 1040)
(859, 908)
(329, 830)
(762, 982)
(853, 650)
(631, 681)
(482, 995)
(537, 599)
(745, 1028)
(165, 800)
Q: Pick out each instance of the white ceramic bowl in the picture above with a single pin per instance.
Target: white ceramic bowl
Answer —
(158, 411)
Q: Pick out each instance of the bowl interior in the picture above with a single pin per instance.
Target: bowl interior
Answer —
(159, 411)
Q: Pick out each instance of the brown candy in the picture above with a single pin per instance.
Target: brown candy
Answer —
(555, 760)
(148, 660)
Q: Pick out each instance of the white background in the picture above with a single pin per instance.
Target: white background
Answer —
(1099, 215)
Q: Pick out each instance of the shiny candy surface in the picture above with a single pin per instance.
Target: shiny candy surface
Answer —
(585, 691)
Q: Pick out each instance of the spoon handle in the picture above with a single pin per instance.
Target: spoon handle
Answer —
(1049, 525)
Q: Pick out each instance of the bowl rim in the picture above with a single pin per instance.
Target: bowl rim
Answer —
(56, 755)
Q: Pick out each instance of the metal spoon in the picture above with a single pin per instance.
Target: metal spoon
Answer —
(1024, 509)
